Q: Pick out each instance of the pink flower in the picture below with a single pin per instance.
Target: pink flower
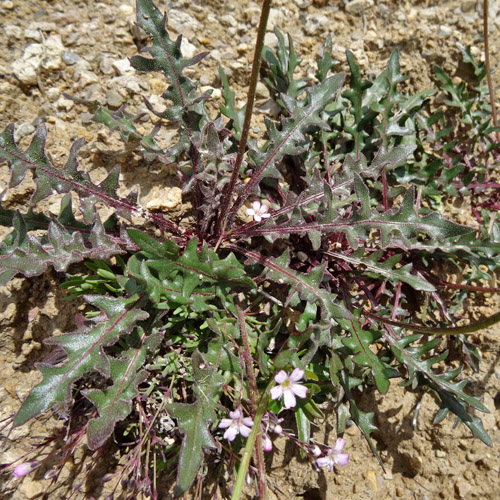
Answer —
(334, 457)
(236, 424)
(25, 468)
(267, 444)
(288, 387)
(258, 211)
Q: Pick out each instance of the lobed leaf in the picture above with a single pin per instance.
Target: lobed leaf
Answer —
(23, 253)
(114, 403)
(194, 420)
(85, 351)
(290, 138)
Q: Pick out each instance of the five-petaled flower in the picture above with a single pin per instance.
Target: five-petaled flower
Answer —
(288, 387)
(258, 211)
(334, 457)
(236, 424)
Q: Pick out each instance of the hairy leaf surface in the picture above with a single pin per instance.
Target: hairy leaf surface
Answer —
(194, 420)
(85, 353)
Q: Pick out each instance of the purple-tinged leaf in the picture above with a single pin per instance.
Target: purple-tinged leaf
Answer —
(85, 349)
(452, 394)
(24, 253)
(397, 225)
(49, 179)
(290, 138)
(114, 402)
(194, 420)
(374, 267)
(307, 286)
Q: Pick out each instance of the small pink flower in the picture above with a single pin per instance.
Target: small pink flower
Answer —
(236, 424)
(334, 457)
(25, 468)
(288, 387)
(267, 444)
(258, 211)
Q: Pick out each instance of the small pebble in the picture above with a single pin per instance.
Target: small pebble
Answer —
(358, 6)
(23, 130)
(70, 58)
(445, 31)
(114, 99)
(123, 67)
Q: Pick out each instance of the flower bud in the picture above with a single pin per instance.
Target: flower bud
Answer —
(25, 468)
(315, 451)
(267, 444)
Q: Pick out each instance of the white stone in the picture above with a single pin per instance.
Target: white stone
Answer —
(22, 131)
(36, 35)
(475, 51)
(275, 19)
(165, 198)
(53, 93)
(262, 91)
(180, 21)
(444, 30)
(270, 108)
(26, 71)
(467, 5)
(87, 77)
(188, 49)
(53, 49)
(270, 40)
(302, 4)
(215, 54)
(12, 31)
(315, 24)
(126, 10)
(64, 103)
(358, 6)
(228, 20)
(132, 85)
(123, 67)
(42, 26)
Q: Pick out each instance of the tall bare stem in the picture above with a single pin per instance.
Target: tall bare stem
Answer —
(488, 70)
(254, 78)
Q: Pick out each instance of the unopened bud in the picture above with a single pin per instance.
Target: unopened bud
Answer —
(267, 444)
(315, 451)
(25, 468)
(51, 473)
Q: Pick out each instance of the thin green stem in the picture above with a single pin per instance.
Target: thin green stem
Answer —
(253, 391)
(487, 64)
(254, 78)
(247, 452)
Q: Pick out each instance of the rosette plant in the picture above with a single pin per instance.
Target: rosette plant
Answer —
(304, 253)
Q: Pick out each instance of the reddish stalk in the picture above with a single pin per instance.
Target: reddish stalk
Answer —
(254, 78)
(488, 70)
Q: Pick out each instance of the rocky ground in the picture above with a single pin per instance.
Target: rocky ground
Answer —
(52, 48)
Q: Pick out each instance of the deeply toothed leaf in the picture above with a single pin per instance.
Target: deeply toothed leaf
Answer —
(115, 402)
(194, 421)
(24, 253)
(85, 350)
